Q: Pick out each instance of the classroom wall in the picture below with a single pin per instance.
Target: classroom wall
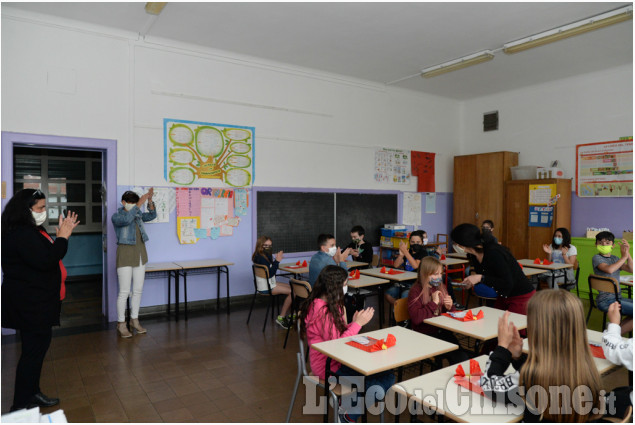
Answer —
(545, 122)
(313, 129)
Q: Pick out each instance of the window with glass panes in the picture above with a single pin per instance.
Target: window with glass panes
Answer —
(71, 181)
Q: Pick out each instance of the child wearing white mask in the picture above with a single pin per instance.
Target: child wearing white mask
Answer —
(561, 251)
(328, 254)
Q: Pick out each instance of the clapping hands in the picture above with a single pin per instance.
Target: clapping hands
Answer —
(508, 336)
(66, 225)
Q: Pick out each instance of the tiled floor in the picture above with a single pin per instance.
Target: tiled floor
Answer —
(213, 368)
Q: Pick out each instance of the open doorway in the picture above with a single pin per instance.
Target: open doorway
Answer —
(72, 181)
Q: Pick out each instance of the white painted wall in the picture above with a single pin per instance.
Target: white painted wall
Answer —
(312, 129)
(545, 122)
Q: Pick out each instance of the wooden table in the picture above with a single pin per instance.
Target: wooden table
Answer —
(401, 277)
(531, 271)
(355, 264)
(595, 337)
(366, 281)
(199, 266)
(296, 270)
(553, 268)
(411, 347)
(454, 404)
(481, 330)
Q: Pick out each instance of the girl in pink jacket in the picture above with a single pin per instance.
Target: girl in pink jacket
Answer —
(323, 318)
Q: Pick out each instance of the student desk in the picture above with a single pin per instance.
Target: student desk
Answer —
(437, 391)
(531, 271)
(627, 280)
(370, 282)
(199, 267)
(170, 268)
(455, 262)
(462, 256)
(401, 277)
(296, 271)
(551, 267)
(595, 337)
(411, 347)
(481, 330)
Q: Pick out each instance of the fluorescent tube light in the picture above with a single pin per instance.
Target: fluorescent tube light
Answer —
(461, 63)
(580, 27)
(154, 8)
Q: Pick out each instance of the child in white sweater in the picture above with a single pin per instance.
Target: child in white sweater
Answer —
(617, 350)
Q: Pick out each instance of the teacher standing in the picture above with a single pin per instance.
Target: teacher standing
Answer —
(495, 267)
(131, 256)
(32, 287)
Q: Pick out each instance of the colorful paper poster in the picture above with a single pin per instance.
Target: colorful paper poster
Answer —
(422, 165)
(540, 216)
(605, 169)
(392, 166)
(218, 152)
(241, 201)
(412, 208)
(541, 194)
(185, 229)
(164, 199)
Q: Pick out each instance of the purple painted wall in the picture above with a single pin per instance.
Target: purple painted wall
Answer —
(614, 213)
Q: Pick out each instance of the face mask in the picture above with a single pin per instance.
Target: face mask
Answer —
(557, 241)
(345, 289)
(415, 249)
(436, 281)
(267, 249)
(128, 206)
(458, 249)
(39, 218)
(425, 241)
(604, 249)
(485, 229)
(332, 251)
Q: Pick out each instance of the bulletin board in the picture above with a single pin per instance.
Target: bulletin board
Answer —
(605, 169)
(221, 153)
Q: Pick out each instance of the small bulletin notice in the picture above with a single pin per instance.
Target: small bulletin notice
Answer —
(540, 216)
(605, 169)
(541, 194)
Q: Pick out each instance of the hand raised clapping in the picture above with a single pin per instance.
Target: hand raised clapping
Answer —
(66, 225)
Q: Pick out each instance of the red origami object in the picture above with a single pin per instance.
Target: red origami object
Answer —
(393, 271)
(304, 263)
(298, 263)
(471, 381)
(475, 368)
(357, 274)
(375, 344)
(537, 261)
(546, 262)
(383, 270)
(468, 317)
(443, 256)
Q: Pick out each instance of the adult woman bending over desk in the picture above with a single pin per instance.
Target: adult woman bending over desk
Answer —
(495, 267)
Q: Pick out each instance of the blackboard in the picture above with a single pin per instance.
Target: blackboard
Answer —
(293, 220)
(370, 211)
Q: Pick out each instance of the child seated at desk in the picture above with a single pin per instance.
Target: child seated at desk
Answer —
(559, 355)
(323, 318)
(361, 250)
(428, 298)
(608, 265)
(561, 251)
(263, 254)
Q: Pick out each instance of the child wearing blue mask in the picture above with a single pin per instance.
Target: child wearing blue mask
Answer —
(561, 251)
(428, 298)
(608, 265)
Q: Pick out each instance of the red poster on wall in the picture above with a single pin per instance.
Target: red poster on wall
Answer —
(422, 166)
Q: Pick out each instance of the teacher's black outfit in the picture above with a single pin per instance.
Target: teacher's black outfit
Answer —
(32, 278)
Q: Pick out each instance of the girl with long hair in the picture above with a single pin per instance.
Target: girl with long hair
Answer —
(263, 254)
(559, 360)
(561, 251)
(428, 298)
(323, 318)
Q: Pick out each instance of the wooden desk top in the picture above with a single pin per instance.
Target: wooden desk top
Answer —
(457, 255)
(392, 277)
(293, 268)
(531, 271)
(365, 281)
(484, 329)
(453, 261)
(457, 403)
(351, 264)
(162, 266)
(594, 337)
(411, 347)
(626, 280)
(555, 266)
(200, 264)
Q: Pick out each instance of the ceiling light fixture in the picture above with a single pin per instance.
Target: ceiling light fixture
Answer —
(580, 27)
(464, 62)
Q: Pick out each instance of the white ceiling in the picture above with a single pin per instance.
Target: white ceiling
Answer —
(381, 42)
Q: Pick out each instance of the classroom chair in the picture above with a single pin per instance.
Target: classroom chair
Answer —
(300, 291)
(262, 271)
(334, 393)
(604, 284)
(444, 241)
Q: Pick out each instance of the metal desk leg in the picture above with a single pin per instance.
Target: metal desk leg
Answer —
(217, 289)
(176, 295)
(169, 290)
(227, 282)
(185, 292)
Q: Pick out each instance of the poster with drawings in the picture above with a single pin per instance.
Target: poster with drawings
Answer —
(412, 208)
(164, 202)
(392, 166)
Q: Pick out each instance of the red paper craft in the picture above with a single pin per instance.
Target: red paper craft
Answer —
(443, 256)
(471, 381)
(475, 370)
(354, 275)
(537, 261)
(521, 266)
(469, 316)
(597, 351)
(471, 384)
(357, 274)
(393, 271)
(375, 344)
(546, 262)
(304, 263)
(383, 270)
(298, 263)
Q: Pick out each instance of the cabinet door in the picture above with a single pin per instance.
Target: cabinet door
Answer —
(490, 186)
(464, 208)
(517, 218)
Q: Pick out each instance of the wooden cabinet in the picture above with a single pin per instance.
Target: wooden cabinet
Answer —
(525, 241)
(479, 188)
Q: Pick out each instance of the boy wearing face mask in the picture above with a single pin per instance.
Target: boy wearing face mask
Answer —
(360, 249)
(328, 254)
(608, 265)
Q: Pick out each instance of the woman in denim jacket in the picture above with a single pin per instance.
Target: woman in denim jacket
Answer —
(131, 255)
